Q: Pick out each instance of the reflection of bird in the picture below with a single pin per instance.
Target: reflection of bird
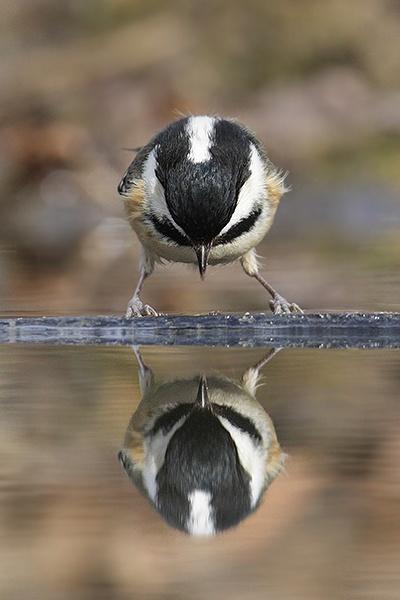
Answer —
(202, 191)
(203, 451)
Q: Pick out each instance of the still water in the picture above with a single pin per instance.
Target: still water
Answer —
(310, 447)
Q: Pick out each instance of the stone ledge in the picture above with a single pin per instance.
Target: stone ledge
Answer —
(325, 330)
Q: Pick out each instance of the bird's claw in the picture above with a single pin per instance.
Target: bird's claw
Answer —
(280, 306)
(136, 308)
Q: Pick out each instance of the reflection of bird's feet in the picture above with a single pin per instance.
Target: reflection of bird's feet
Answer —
(136, 308)
(279, 306)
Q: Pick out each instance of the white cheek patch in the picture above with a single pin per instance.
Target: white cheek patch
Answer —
(154, 191)
(200, 131)
(252, 457)
(200, 521)
(253, 189)
(155, 449)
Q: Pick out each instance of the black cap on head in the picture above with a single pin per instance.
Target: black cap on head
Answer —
(202, 195)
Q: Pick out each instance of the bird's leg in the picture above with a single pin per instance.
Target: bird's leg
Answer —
(278, 304)
(146, 377)
(136, 308)
(251, 376)
(265, 359)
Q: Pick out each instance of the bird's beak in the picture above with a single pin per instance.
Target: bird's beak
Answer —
(202, 253)
(202, 399)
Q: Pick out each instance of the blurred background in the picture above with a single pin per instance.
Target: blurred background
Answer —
(80, 81)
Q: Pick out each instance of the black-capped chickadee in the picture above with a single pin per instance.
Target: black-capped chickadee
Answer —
(202, 191)
(202, 450)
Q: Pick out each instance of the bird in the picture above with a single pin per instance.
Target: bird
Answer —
(202, 191)
(202, 450)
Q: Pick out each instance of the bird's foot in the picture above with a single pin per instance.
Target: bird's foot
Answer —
(136, 308)
(280, 306)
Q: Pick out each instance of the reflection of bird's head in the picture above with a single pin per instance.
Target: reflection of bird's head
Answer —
(205, 465)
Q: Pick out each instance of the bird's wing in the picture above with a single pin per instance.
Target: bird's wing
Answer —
(134, 172)
(132, 186)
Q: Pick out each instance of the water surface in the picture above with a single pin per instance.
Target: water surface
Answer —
(72, 523)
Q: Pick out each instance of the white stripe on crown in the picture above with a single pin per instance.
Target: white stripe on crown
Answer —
(200, 130)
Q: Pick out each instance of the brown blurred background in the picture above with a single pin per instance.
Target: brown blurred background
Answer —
(317, 81)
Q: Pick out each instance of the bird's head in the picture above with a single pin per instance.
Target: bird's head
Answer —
(207, 183)
(206, 463)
